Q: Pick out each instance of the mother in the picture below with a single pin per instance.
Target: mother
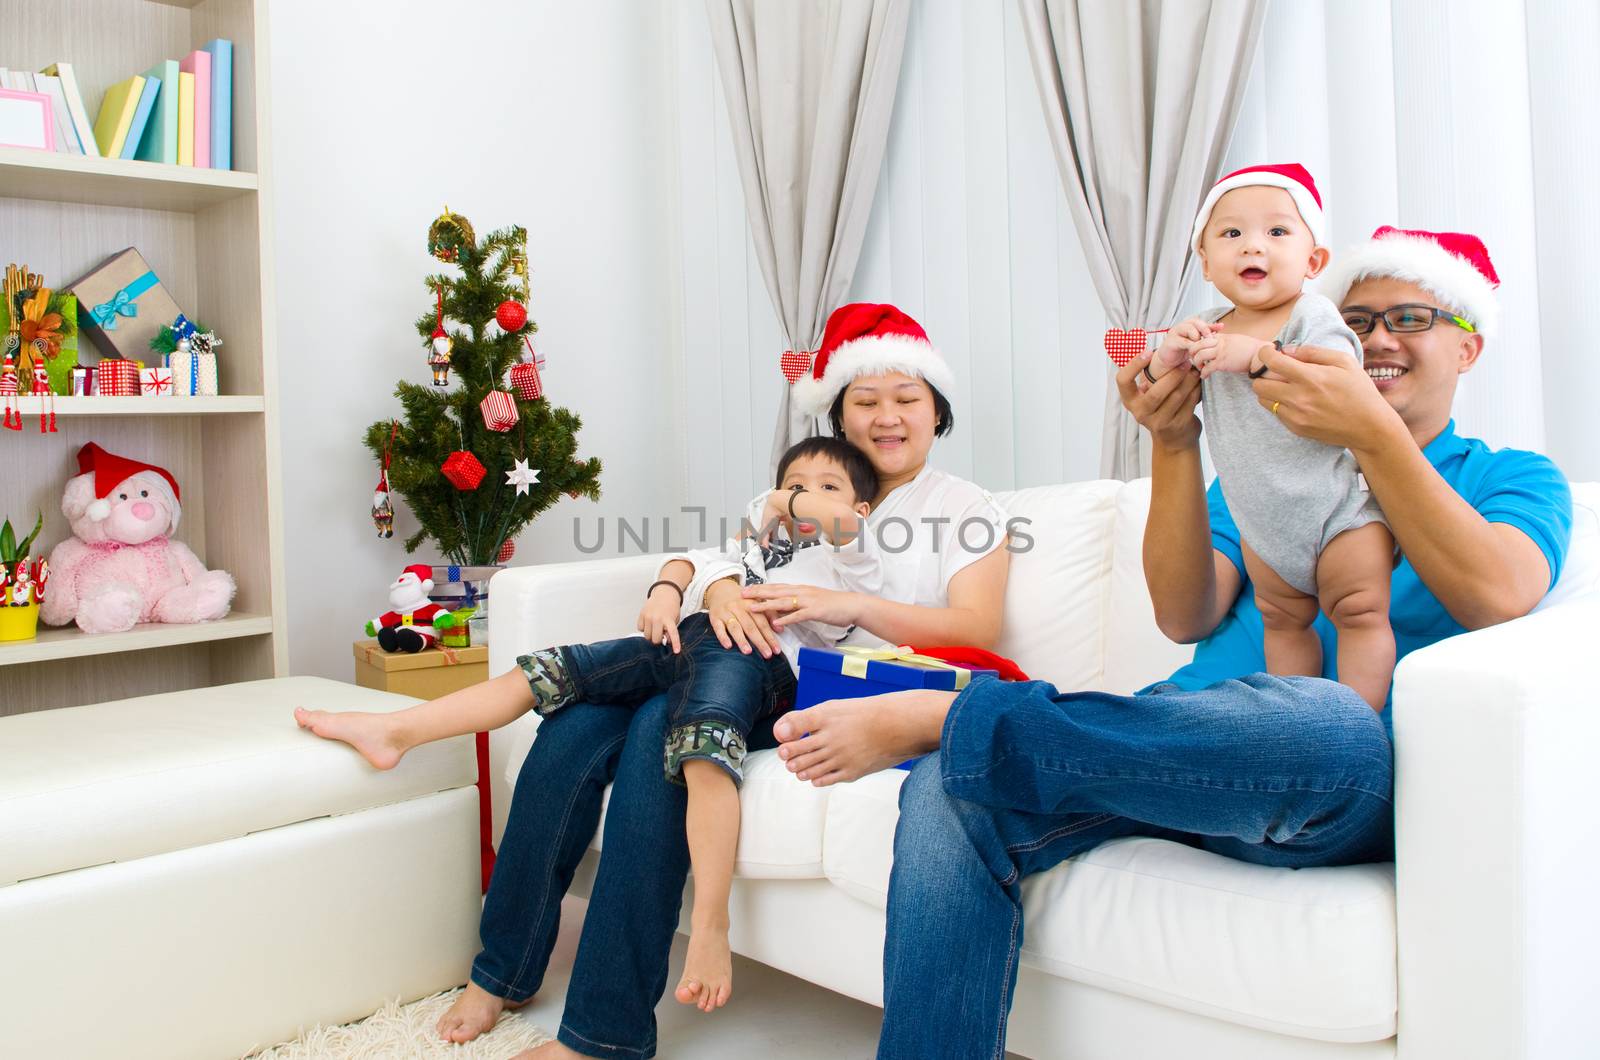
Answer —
(883, 387)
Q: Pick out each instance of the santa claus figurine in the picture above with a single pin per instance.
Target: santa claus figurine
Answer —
(415, 622)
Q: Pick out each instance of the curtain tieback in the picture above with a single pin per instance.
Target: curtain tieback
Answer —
(1123, 346)
(795, 363)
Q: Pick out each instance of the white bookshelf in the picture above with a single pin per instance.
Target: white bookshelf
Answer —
(207, 234)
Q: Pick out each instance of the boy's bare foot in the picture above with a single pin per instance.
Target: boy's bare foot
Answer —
(551, 1050)
(374, 735)
(845, 739)
(475, 1012)
(707, 981)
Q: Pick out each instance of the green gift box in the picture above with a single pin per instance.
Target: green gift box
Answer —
(66, 359)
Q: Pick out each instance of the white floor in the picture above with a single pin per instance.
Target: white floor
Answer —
(771, 1015)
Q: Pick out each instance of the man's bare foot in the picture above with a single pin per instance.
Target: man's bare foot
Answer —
(707, 981)
(475, 1012)
(375, 735)
(551, 1050)
(845, 739)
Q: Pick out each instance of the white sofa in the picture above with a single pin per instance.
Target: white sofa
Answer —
(1480, 942)
(190, 875)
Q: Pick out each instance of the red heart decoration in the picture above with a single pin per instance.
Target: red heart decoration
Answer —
(1124, 346)
(794, 364)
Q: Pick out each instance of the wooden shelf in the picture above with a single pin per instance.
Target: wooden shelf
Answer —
(71, 643)
(28, 174)
(144, 406)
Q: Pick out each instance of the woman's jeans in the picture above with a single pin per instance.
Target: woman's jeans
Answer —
(1292, 772)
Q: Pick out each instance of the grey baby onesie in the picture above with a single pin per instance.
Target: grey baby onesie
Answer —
(1289, 495)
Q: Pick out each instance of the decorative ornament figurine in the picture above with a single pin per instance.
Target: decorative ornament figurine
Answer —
(382, 507)
(518, 261)
(448, 233)
(414, 622)
(511, 315)
(522, 477)
(8, 391)
(441, 343)
(122, 567)
(46, 396)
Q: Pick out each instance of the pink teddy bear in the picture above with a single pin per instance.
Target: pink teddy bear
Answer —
(122, 567)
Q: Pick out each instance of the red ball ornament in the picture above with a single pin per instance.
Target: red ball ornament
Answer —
(511, 315)
(507, 550)
(463, 470)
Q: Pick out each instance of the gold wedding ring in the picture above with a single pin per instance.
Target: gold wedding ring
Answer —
(1275, 405)
(794, 603)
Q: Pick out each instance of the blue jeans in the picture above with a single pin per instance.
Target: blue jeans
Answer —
(716, 696)
(1293, 772)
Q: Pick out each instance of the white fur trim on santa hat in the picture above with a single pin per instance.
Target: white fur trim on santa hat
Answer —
(872, 355)
(1453, 280)
(1310, 212)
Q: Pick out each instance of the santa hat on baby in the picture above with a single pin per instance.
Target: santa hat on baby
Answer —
(111, 470)
(1454, 267)
(1292, 177)
(868, 339)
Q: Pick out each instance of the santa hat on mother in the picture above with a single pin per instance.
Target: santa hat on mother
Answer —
(1453, 267)
(869, 339)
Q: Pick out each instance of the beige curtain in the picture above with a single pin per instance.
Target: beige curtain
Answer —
(1140, 98)
(810, 87)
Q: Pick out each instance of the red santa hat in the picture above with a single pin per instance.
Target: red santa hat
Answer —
(422, 572)
(1454, 267)
(867, 339)
(1292, 177)
(111, 470)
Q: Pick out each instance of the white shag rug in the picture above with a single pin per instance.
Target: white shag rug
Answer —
(406, 1032)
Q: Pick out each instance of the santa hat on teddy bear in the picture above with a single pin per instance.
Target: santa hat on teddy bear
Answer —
(869, 339)
(110, 471)
(1292, 177)
(1454, 267)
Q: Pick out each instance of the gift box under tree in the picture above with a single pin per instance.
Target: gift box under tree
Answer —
(122, 305)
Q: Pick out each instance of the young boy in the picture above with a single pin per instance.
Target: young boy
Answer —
(813, 527)
(1312, 534)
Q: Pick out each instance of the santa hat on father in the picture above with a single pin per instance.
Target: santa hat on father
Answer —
(869, 339)
(1454, 267)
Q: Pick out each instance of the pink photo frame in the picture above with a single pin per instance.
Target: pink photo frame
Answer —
(27, 119)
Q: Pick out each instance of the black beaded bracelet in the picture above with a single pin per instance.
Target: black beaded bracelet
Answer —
(1259, 372)
(1146, 371)
(792, 495)
(665, 581)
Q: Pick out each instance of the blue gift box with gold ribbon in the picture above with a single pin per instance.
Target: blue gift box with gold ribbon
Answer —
(850, 672)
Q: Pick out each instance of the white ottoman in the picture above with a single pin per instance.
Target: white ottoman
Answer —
(190, 874)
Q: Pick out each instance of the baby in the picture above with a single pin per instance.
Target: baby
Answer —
(1312, 534)
(813, 527)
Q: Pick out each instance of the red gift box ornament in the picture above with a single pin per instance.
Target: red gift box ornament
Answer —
(463, 470)
(118, 378)
(499, 411)
(525, 375)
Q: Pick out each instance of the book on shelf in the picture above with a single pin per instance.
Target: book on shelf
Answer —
(141, 117)
(221, 51)
(66, 135)
(80, 115)
(116, 115)
(198, 63)
(185, 118)
(160, 140)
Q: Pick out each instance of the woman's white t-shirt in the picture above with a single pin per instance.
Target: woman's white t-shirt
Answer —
(931, 529)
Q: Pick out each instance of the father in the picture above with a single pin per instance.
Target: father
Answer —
(1276, 771)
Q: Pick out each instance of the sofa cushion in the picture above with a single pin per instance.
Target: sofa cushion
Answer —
(116, 781)
(1137, 652)
(1308, 953)
(1054, 620)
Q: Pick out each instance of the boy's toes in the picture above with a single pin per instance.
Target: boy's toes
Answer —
(689, 991)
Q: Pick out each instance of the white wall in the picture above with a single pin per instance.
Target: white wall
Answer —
(548, 114)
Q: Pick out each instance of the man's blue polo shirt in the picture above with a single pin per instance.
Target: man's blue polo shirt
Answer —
(1522, 489)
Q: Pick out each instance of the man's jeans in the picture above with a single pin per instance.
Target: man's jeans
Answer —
(1292, 772)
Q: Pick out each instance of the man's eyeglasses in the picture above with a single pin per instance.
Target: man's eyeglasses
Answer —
(1400, 319)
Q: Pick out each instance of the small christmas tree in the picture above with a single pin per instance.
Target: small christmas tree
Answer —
(477, 462)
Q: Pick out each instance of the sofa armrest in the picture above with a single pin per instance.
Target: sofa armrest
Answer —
(1498, 851)
(554, 603)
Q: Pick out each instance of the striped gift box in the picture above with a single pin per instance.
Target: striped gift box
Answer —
(499, 411)
(115, 377)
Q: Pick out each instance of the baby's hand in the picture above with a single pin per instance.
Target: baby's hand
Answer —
(1178, 347)
(1225, 353)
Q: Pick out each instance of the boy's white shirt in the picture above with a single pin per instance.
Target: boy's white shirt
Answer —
(853, 568)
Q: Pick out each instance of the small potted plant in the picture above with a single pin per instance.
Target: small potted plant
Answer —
(21, 583)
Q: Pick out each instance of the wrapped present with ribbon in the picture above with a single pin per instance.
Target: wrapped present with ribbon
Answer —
(155, 382)
(117, 377)
(46, 330)
(122, 305)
